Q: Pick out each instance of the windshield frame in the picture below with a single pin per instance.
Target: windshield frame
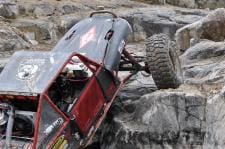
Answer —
(37, 127)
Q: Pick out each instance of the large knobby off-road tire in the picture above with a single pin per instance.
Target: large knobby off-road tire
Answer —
(163, 61)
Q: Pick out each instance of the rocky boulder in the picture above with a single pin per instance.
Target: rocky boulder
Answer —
(11, 40)
(204, 50)
(211, 27)
(65, 22)
(212, 4)
(154, 1)
(8, 9)
(188, 117)
(44, 9)
(191, 116)
(68, 8)
(163, 119)
(39, 30)
(204, 63)
(215, 120)
(148, 21)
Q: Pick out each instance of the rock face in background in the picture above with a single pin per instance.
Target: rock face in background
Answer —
(8, 9)
(212, 27)
(204, 63)
(212, 4)
(70, 8)
(153, 1)
(45, 9)
(203, 43)
(145, 20)
(149, 21)
(39, 30)
(11, 40)
(214, 137)
(191, 116)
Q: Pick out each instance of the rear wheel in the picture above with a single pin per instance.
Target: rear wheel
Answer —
(163, 61)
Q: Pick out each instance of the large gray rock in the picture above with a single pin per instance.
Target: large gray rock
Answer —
(209, 72)
(204, 50)
(215, 120)
(160, 119)
(41, 30)
(68, 8)
(163, 119)
(44, 9)
(153, 1)
(112, 4)
(65, 22)
(183, 3)
(212, 4)
(204, 63)
(145, 21)
(11, 40)
(211, 27)
(8, 9)
(148, 21)
(137, 86)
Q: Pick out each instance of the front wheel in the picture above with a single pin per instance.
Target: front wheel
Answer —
(163, 61)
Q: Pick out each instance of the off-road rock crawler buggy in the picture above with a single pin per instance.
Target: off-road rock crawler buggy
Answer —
(58, 99)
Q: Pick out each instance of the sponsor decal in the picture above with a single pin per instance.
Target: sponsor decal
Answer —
(28, 68)
(121, 46)
(53, 126)
(88, 37)
(60, 142)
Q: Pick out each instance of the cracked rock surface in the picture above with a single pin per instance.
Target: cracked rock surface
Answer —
(191, 116)
(211, 4)
(142, 117)
(171, 118)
